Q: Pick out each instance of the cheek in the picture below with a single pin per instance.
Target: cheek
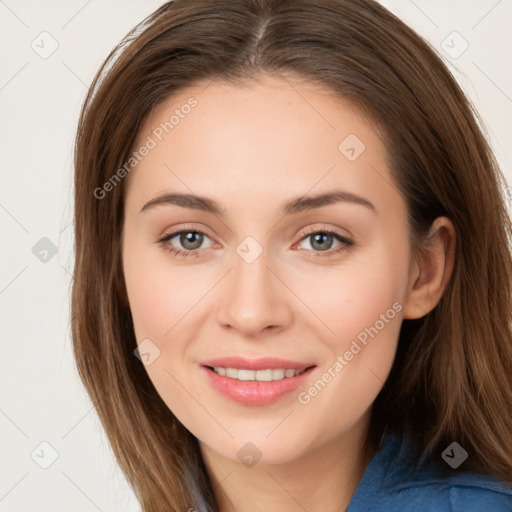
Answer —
(364, 318)
(160, 292)
(356, 296)
(149, 298)
(361, 307)
(161, 302)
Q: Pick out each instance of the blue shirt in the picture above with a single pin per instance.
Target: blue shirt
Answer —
(394, 482)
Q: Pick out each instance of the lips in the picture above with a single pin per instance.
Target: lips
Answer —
(256, 392)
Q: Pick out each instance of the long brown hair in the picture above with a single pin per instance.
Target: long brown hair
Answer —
(451, 379)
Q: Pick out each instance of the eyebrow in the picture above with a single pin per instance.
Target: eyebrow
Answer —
(298, 204)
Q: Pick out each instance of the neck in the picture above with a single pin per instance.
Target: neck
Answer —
(321, 479)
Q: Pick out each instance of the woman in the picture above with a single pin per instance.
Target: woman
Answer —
(292, 278)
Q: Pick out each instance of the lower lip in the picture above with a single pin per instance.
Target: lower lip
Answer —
(255, 392)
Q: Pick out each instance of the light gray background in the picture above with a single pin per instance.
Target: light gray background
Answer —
(41, 397)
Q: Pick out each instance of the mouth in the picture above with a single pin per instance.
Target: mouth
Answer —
(256, 382)
(266, 375)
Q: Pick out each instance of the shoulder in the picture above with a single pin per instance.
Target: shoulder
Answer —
(393, 481)
(468, 492)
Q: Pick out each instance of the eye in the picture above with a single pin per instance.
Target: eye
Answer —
(190, 239)
(322, 241)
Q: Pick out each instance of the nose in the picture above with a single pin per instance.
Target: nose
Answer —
(253, 298)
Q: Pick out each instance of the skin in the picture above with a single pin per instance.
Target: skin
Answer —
(251, 148)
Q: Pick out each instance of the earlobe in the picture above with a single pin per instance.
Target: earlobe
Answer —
(430, 270)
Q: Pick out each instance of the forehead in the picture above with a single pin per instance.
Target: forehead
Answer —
(260, 104)
(274, 135)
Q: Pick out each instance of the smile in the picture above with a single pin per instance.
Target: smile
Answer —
(266, 375)
(256, 387)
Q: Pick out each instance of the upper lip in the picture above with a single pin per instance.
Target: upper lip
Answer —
(256, 364)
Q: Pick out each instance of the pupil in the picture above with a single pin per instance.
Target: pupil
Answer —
(189, 238)
(318, 238)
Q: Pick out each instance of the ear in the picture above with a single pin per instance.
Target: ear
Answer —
(430, 270)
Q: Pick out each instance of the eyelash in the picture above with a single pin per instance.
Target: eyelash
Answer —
(346, 244)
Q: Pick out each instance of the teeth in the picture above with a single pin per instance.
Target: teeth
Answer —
(280, 374)
(259, 375)
(232, 372)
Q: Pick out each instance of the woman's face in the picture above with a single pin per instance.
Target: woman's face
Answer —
(272, 273)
